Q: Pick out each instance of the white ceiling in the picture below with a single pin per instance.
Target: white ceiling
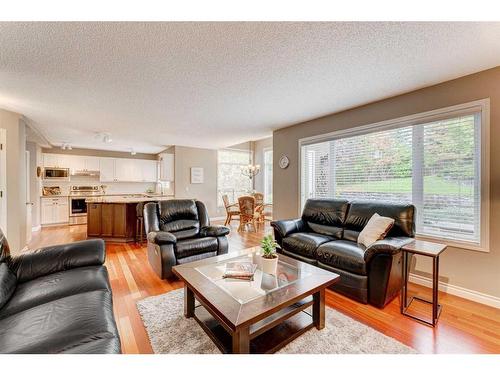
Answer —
(216, 84)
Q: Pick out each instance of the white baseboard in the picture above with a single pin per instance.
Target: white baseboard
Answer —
(218, 218)
(459, 291)
(36, 228)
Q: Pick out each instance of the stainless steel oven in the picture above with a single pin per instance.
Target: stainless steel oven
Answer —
(77, 205)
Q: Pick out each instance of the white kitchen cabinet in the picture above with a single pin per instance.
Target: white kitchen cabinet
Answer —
(127, 170)
(56, 160)
(166, 167)
(107, 169)
(54, 210)
(91, 163)
(149, 170)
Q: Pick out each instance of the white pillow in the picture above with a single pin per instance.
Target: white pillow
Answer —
(376, 229)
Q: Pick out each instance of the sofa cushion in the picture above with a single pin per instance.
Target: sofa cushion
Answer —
(304, 243)
(69, 324)
(376, 229)
(194, 246)
(55, 286)
(8, 283)
(325, 216)
(345, 255)
(361, 211)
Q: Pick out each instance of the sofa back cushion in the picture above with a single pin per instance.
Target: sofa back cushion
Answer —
(325, 216)
(8, 279)
(179, 215)
(361, 211)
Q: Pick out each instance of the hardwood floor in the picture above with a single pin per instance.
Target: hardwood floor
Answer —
(464, 326)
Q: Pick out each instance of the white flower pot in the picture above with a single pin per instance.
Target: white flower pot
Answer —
(269, 265)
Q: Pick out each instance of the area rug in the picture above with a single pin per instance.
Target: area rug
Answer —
(171, 333)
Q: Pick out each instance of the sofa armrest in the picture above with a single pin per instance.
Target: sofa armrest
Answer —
(51, 259)
(389, 245)
(161, 238)
(287, 227)
(214, 231)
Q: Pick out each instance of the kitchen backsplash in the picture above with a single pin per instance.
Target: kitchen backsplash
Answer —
(112, 187)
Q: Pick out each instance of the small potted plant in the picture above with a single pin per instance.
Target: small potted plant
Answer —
(269, 257)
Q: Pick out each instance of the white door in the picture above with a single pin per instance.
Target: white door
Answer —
(3, 182)
(29, 204)
(107, 169)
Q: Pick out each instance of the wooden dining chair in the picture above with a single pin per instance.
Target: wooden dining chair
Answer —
(231, 209)
(247, 212)
(264, 211)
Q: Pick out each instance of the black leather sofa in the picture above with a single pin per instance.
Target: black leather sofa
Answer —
(179, 231)
(326, 236)
(56, 300)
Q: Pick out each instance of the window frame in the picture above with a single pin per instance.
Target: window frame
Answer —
(250, 158)
(265, 174)
(482, 106)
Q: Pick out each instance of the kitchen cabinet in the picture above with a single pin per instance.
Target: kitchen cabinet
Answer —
(111, 221)
(166, 167)
(128, 170)
(56, 160)
(107, 169)
(54, 210)
(82, 164)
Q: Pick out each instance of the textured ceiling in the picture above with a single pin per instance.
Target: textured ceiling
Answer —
(216, 84)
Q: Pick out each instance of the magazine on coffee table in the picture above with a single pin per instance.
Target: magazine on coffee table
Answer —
(240, 270)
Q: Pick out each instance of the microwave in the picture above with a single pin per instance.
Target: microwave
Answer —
(56, 174)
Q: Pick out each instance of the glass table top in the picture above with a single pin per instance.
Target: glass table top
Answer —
(244, 291)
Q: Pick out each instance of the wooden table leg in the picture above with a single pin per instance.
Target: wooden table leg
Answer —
(319, 309)
(435, 290)
(241, 341)
(188, 302)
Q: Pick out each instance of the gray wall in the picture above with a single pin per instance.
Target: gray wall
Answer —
(465, 268)
(16, 179)
(187, 157)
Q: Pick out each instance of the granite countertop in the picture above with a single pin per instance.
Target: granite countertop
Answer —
(128, 198)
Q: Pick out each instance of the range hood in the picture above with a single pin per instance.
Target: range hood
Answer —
(85, 172)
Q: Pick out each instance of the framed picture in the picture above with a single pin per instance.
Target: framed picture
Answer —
(196, 175)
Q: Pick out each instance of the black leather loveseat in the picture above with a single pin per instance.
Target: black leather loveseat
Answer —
(56, 300)
(326, 236)
(179, 232)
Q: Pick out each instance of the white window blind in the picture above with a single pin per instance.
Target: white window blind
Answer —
(230, 180)
(435, 166)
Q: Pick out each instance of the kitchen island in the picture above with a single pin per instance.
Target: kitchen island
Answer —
(114, 217)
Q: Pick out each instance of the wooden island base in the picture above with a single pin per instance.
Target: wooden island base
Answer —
(112, 221)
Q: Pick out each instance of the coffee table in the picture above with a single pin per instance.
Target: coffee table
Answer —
(259, 316)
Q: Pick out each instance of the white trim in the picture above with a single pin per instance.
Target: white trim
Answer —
(3, 180)
(36, 228)
(459, 291)
(217, 218)
(482, 105)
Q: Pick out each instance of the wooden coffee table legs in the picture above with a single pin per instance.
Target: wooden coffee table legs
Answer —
(188, 302)
(241, 341)
(319, 309)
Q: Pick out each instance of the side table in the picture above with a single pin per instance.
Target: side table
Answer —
(429, 249)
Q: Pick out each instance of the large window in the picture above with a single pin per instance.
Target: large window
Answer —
(230, 180)
(436, 165)
(268, 176)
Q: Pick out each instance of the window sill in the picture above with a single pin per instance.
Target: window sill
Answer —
(458, 244)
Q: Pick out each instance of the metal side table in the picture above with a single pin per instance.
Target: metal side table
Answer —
(429, 249)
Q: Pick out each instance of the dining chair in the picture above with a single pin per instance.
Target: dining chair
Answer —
(231, 209)
(264, 211)
(248, 215)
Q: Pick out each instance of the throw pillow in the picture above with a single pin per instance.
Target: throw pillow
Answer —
(376, 229)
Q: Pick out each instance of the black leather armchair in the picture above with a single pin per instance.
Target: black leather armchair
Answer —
(56, 300)
(326, 236)
(178, 232)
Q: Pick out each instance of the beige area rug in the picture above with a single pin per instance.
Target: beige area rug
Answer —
(171, 333)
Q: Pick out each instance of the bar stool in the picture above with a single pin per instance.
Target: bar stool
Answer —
(139, 224)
